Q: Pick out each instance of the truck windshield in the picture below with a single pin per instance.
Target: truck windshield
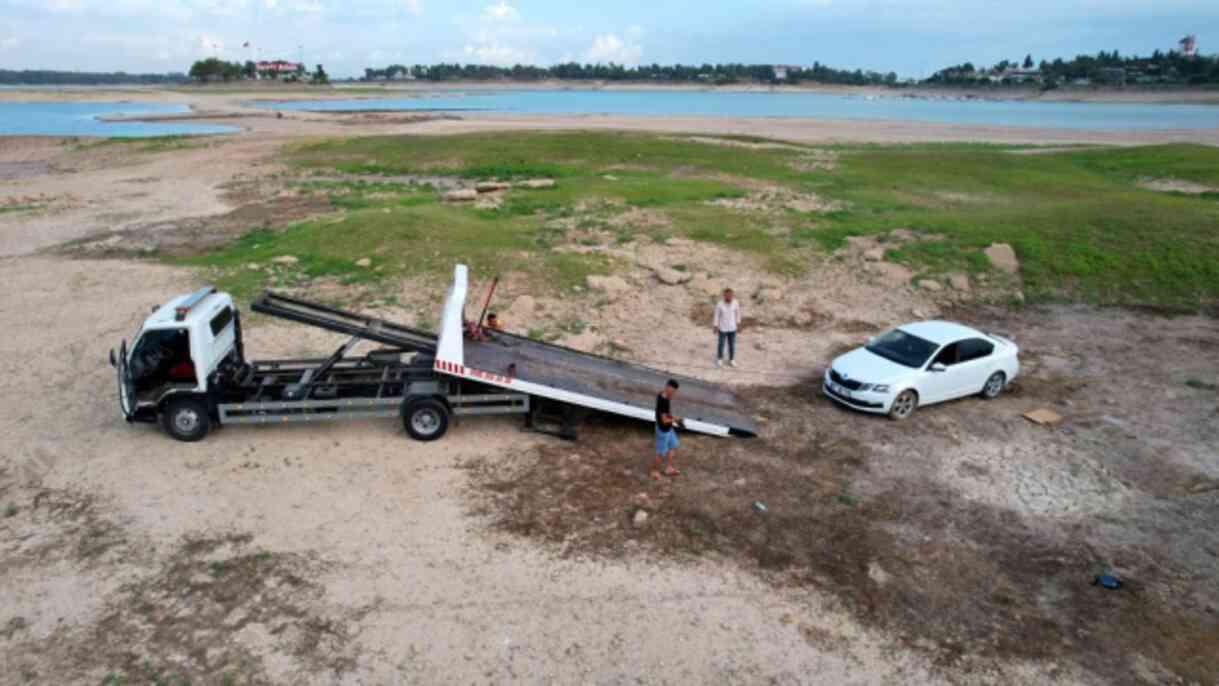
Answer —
(903, 348)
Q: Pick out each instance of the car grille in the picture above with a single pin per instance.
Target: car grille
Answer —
(843, 381)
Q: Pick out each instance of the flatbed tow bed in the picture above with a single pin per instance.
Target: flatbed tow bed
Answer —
(423, 378)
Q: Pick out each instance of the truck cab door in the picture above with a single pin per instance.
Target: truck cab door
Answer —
(126, 385)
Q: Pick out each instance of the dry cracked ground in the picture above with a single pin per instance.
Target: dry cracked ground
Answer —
(957, 547)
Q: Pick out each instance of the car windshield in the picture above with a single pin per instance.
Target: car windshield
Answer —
(902, 348)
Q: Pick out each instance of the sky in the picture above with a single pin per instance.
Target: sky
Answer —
(911, 37)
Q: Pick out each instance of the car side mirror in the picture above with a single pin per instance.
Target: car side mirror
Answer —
(871, 340)
(938, 367)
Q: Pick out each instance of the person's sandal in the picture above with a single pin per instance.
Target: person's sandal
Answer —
(672, 471)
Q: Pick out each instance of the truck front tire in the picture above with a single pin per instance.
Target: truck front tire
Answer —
(185, 419)
(425, 419)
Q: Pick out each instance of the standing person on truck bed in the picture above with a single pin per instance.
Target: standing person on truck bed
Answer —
(666, 430)
(725, 323)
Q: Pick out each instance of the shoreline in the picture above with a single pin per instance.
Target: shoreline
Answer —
(383, 90)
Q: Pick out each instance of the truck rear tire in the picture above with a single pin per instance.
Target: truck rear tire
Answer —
(186, 419)
(425, 419)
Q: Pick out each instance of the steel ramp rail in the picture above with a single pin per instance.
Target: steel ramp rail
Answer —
(342, 321)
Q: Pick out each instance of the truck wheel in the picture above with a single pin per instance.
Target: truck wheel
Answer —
(185, 419)
(425, 419)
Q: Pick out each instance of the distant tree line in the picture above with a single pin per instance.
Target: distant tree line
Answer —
(215, 69)
(1105, 67)
(718, 74)
(47, 77)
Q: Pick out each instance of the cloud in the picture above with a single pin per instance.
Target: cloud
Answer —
(501, 11)
(498, 54)
(9, 42)
(610, 48)
(415, 7)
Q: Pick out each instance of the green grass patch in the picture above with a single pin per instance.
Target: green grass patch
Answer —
(13, 209)
(1080, 224)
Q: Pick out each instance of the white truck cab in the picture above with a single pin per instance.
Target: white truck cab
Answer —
(173, 358)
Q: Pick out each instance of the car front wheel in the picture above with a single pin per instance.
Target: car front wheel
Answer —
(903, 405)
(994, 385)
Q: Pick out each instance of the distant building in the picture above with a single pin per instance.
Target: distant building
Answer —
(1014, 75)
(1189, 45)
(1112, 76)
(782, 71)
(276, 68)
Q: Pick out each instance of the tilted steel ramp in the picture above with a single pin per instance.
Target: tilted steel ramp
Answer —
(579, 378)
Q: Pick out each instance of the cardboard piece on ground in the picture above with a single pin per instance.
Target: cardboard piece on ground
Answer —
(1043, 416)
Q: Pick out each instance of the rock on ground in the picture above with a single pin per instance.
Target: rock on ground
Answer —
(461, 195)
(612, 285)
(890, 274)
(491, 186)
(285, 259)
(1003, 258)
(874, 255)
(670, 276)
(930, 285)
(536, 183)
(959, 281)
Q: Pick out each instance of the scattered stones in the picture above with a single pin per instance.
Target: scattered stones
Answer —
(930, 285)
(522, 309)
(705, 285)
(461, 195)
(640, 518)
(285, 259)
(1003, 258)
(536, 183)
(364, 262)
(878, 574)
(585, 341)
(874, 255)
(903, 234)
(670, 276)
(610, 177)
(491, 186)
(253, 266)
(612, 285)
(959, 281)
(890, 274)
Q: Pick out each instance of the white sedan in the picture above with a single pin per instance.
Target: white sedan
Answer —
(921, 364)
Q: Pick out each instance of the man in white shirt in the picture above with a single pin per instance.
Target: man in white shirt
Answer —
(727, 321)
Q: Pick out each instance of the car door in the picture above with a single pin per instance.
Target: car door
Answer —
(937, 386)
(975, 362)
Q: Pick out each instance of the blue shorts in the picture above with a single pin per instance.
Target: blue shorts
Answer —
(665, 441)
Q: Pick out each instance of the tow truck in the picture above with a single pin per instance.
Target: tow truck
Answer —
(187, 370)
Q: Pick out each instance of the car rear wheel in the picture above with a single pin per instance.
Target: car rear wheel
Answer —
(186, 419)
(994, 385)
(903, 405)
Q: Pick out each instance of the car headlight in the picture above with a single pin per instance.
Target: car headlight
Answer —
(874, 387)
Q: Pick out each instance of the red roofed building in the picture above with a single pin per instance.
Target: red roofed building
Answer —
(277, 67)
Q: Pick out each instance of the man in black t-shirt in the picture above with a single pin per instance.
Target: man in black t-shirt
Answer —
(666, 430)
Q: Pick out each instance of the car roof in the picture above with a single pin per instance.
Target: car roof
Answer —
(940, 332)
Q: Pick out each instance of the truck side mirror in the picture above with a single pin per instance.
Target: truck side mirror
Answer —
(112, 362)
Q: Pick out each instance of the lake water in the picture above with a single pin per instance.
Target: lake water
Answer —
(82, 119)
(1070, 115)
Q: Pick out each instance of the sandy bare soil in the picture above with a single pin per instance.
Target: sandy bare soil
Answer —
(957, 547)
